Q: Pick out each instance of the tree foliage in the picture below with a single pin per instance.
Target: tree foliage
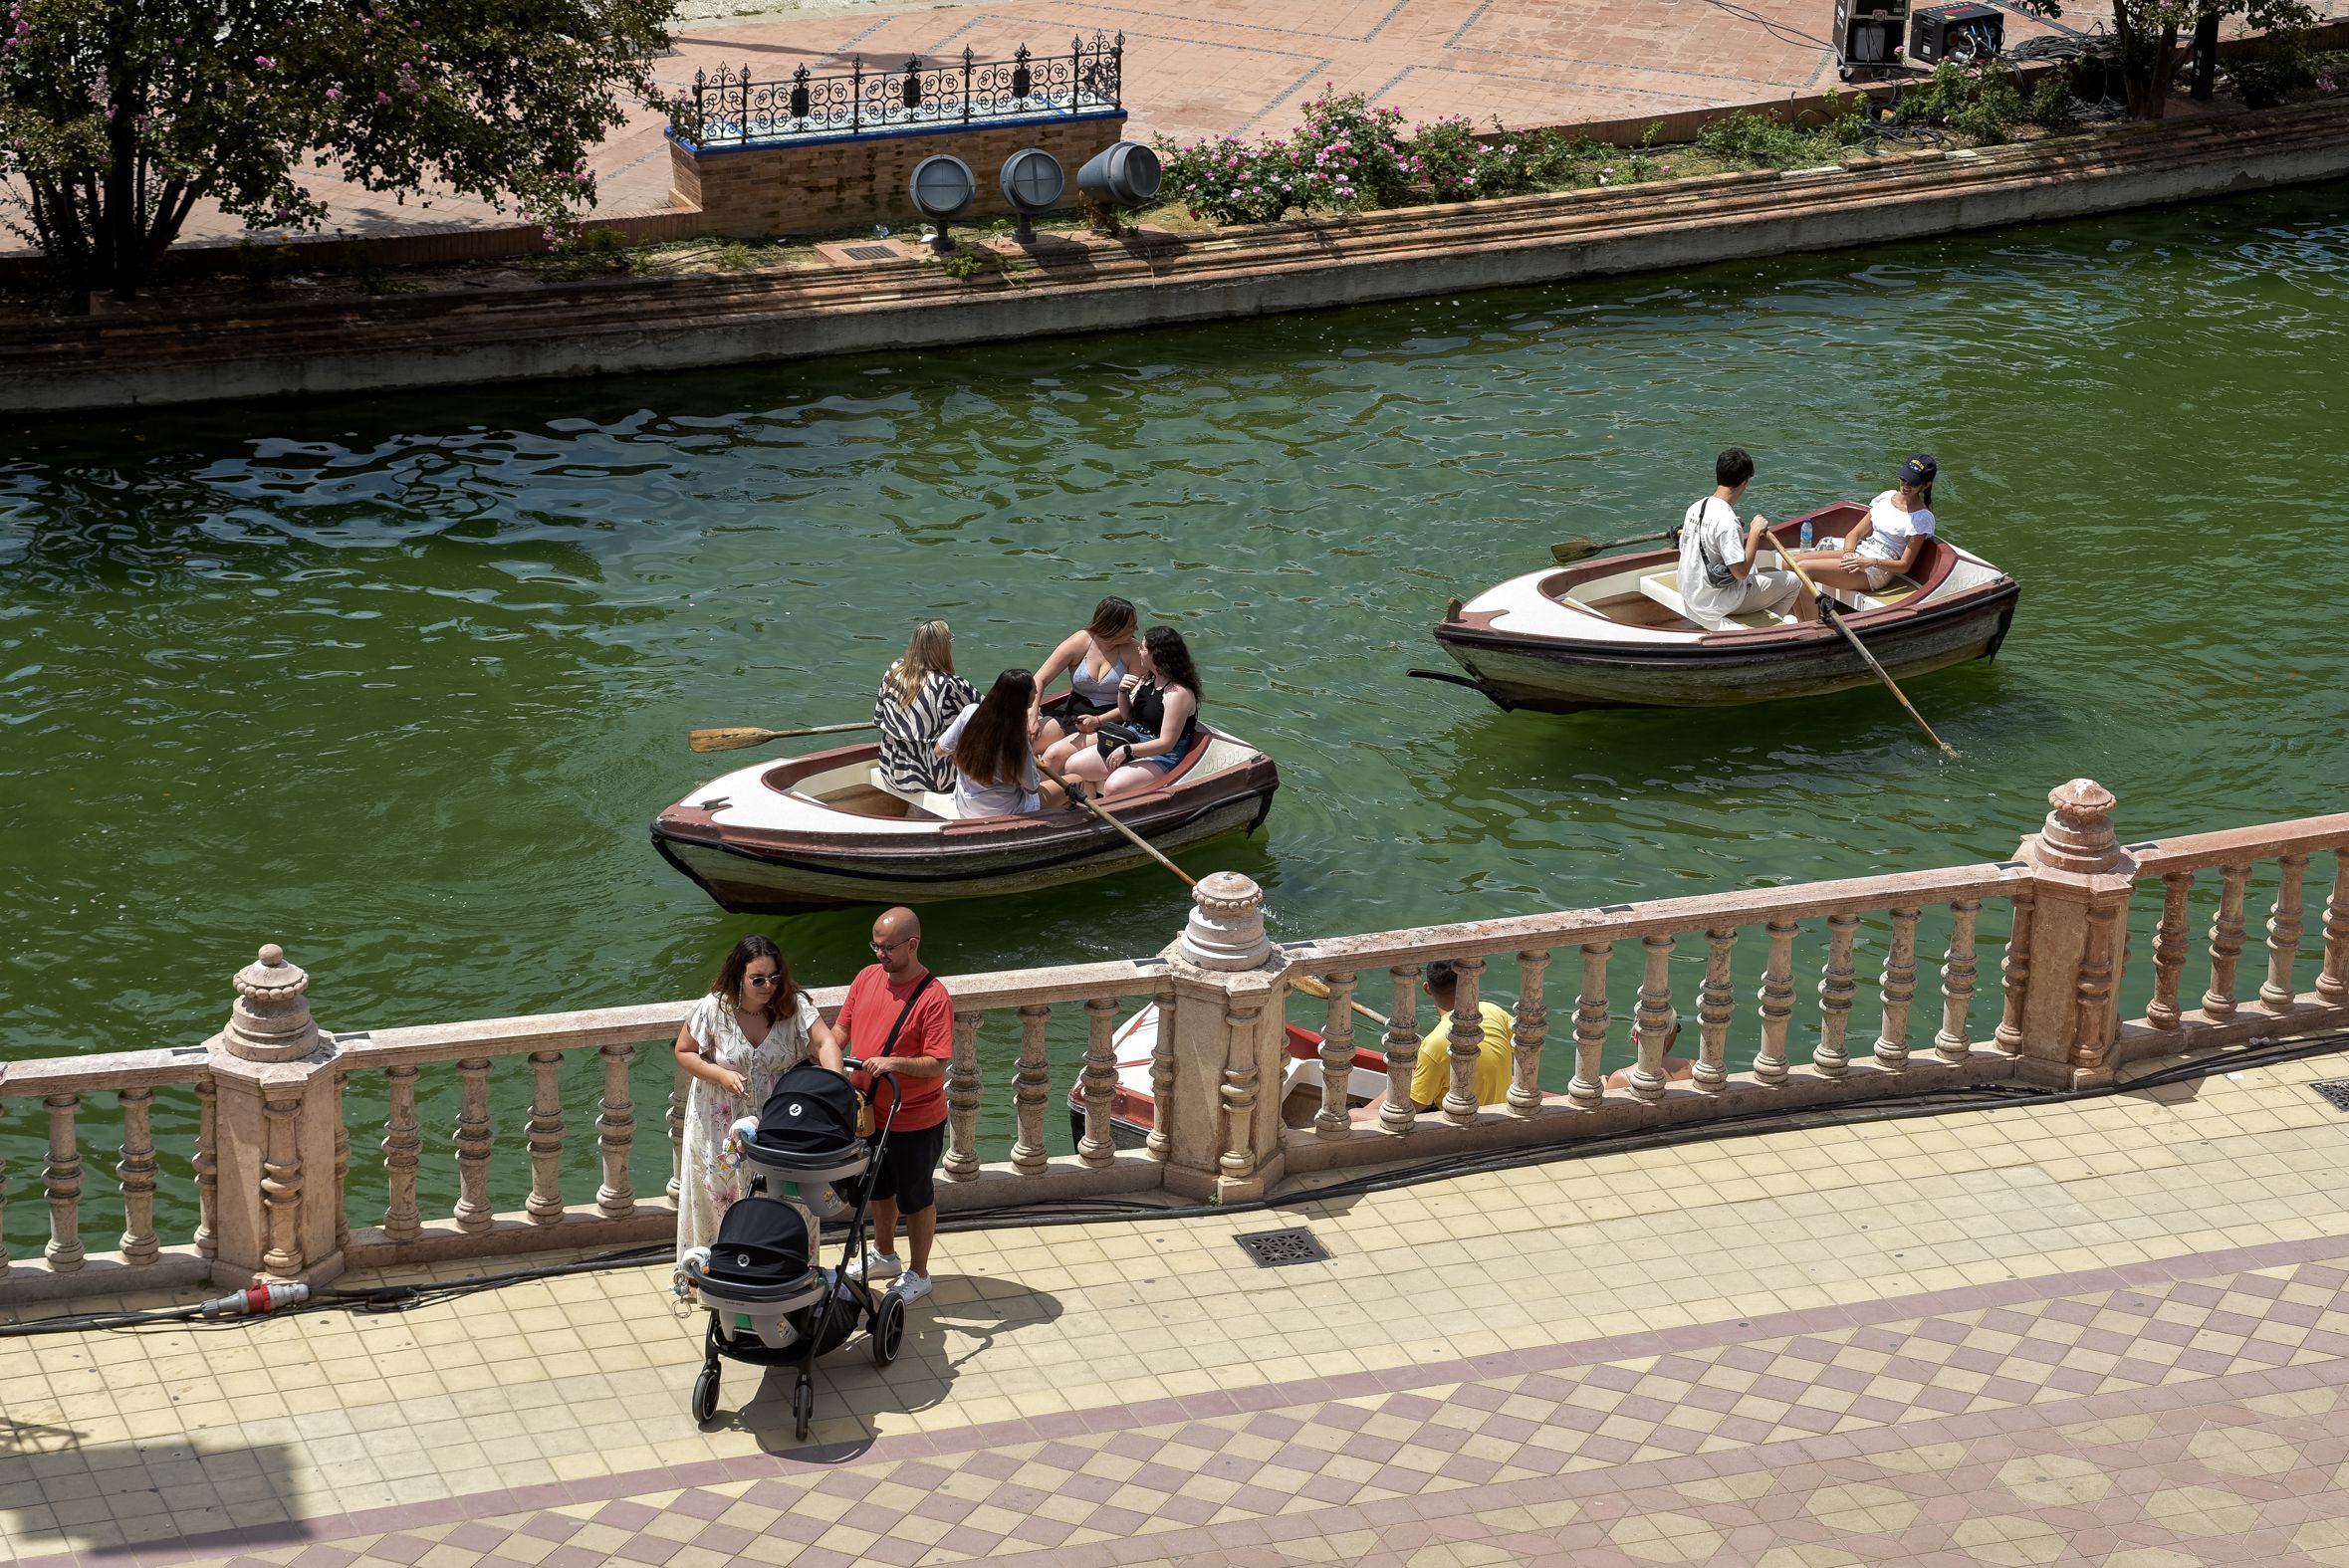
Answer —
(2147, 33)
(116, 116)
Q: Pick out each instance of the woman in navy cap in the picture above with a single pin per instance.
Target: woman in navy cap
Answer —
(1885, 544)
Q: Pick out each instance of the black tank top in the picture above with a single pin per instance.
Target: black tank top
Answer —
(1149, 711)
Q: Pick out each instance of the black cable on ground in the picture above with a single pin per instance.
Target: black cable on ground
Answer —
(1882, 1108)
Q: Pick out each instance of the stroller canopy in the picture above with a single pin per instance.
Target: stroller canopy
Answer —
(761, 1241)
(811, 1118)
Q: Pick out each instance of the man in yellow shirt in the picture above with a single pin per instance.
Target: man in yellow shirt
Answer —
(1430, 1079)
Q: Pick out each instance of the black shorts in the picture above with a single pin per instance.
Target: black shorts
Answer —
(905, 1169)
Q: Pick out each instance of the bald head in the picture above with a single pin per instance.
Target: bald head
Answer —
(897, 941)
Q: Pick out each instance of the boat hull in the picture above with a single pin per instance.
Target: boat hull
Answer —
(1563, 675)
(748, 880)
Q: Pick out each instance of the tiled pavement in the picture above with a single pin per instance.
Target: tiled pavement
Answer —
(2114, 1332)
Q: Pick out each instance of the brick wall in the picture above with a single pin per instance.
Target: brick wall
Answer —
(809, 188)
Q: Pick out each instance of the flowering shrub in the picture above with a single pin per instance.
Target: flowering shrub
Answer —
(1356, 146)
(1452, 163)
(1228, 182)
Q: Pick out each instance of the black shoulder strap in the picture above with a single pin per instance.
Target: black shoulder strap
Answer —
(907, 1012)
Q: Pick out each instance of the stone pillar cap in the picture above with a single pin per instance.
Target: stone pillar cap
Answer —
(271, 1020)
(2078, 833)
(1226, 926)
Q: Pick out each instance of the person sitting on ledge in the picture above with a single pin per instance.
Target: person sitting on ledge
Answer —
(994, 771)
(1431, 1077)
(1718, 579)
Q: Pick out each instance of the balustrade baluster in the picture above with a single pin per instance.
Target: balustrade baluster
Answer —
(403, 1152)
(1162, 1074)
(138, 1174)
(1030, 1084)
(2014, 974)
(962, 1101)
(60, 1180)
(1402, 1049)
(1337, 1059)
(2092, 1009)
(1778, 1002)
(1098, 1145)
(208, 1170)
(1717, 1004)
(282, 1180)
(1588, 1085)
(2332, 981)
(1529, 1031)
(1467, 1043)
(1900, 990)
(5, 1264)
(2283, 936)
(2227, 944)
(1654, 1017)
(342, 1165)
(1957, 981)
(543, 1134)
(474, 1140)
(616, 1133)
(680, 1086)
(1830, 1059)
(1241, 1086)
(2169, 950)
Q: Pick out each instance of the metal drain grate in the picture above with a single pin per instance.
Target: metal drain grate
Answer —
(2334, 1091)
(869, 252)
(1280, 1249)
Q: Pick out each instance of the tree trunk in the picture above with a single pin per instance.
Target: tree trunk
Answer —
(2165, 72)
(2206, 55)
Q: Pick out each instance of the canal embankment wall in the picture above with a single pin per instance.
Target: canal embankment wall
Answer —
(1078, 286)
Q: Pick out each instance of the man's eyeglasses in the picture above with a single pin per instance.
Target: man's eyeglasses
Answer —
(884, 949)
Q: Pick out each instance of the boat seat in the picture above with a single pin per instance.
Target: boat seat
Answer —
(938, 805)
(1664, 589)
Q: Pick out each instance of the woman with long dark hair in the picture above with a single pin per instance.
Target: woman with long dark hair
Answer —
(919, 696)
(1158, 708)
(1097, 659)
(747, 1030)
(994, 770)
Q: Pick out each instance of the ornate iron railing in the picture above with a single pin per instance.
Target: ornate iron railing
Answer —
(728, 108)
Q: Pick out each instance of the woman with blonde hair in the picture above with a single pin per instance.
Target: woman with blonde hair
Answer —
(919, 697)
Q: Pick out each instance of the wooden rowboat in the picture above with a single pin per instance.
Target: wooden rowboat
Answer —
(1612, 634)
(821, 831)
(1133, 1108)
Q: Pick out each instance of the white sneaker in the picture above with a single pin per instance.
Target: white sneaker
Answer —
(912, 1287)
(875, 1265)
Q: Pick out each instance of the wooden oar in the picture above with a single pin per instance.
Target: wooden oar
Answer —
(1575, 550)
(1305, 983)
(1832, 612)
(734, 740)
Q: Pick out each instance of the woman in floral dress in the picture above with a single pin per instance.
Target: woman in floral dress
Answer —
(752, 1027)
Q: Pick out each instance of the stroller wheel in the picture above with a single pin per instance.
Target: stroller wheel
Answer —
(888, 1330)
(803, 1406)
(705, 1395)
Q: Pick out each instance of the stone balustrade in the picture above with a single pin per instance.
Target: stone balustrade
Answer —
(273, 1149)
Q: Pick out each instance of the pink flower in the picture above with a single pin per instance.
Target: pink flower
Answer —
(264, 61)
(334, 94)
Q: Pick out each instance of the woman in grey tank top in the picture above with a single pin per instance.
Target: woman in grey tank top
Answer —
(1096, 660)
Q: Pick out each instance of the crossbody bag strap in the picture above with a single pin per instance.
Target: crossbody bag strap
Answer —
(907, 1012)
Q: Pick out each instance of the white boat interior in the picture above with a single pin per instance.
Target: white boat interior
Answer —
(1643, 605)
(854, 796)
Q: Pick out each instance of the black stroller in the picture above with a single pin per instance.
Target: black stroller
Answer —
(769, 1301)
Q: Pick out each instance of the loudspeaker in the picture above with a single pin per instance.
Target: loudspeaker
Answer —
(1964, 35)
(1868, 35)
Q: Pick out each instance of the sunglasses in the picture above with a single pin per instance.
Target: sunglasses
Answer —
(761, 979)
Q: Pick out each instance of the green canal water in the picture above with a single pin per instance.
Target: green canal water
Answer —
(401, 681)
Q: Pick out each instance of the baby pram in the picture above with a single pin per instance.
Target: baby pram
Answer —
(769, 1301)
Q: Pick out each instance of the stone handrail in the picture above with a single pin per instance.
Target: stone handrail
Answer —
(274, 1146)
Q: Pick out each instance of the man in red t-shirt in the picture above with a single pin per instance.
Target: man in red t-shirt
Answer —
(899, 1020)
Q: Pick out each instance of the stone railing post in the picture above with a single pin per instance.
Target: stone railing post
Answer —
(276, 1128)
(2081, 879)
(1221, 1108)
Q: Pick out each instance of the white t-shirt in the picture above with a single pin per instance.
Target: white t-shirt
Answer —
(1888, 538)
(978, 800)
(1710, 526)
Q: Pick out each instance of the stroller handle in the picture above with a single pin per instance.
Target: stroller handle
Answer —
(873, 1083)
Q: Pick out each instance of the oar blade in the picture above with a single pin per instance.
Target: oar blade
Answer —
(730, 739)
(1575, 550)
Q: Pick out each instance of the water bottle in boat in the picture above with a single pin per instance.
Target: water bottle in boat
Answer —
(1806, 532)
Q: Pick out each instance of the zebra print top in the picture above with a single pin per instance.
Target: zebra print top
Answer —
(909, 733)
